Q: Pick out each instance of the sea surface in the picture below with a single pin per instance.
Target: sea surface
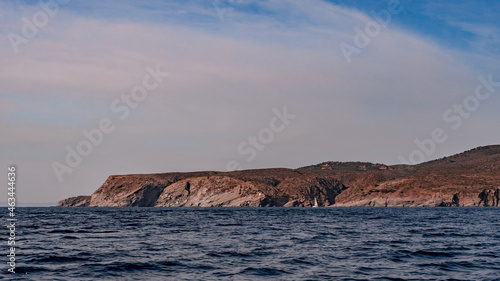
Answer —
(256, 244)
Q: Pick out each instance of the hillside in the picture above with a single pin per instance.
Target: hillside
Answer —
(458, 180)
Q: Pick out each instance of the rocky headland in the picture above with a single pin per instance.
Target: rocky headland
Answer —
(471, 178)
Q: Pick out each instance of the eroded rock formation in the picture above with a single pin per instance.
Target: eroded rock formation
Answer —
(251, 188)
(464, 179)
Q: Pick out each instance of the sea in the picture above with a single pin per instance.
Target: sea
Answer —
(255, 244)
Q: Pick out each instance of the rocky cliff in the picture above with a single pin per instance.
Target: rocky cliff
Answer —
(252, 188)
(471, 178)
(77, 201)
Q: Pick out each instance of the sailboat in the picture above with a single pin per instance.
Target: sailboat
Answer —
(315, 203)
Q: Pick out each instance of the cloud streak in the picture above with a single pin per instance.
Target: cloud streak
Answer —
(225, 79)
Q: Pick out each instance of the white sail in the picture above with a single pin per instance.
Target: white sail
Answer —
(315, 203)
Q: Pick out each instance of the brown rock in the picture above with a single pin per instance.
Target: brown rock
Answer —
(434, 183)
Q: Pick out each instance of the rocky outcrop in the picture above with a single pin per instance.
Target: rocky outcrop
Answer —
(489, 198)
(211, 191)
(250, 188)
(455, 201)
(496, 197)
(457, 180)
(77, 201)
(467, 179)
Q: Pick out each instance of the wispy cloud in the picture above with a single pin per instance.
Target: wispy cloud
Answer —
(225, 77)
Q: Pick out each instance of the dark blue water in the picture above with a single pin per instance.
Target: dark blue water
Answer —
(257, 244)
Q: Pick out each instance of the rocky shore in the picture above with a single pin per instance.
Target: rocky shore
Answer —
(468, 179)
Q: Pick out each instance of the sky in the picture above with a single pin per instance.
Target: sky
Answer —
(94, 88)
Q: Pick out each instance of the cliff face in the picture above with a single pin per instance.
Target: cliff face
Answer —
(467, 179)
(457, 180)
(252, 188)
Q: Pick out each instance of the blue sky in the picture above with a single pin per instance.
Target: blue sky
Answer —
(230, 64)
